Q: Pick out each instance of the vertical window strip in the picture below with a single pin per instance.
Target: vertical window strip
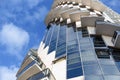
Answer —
(49, 36)
(74, 68)
(88, 56)
(61, 43)
(53, 42)
(45, 37)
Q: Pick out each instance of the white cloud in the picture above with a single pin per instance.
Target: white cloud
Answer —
(8, 73)
(13, 39)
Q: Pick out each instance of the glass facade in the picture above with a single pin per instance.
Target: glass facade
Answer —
(86, 55)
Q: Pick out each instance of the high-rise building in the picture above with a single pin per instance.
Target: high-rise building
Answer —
(82, 42)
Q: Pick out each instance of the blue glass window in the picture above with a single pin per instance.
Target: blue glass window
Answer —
(112, 77)
(61, 44)
(110, 70)
(49, 36)
(74, 72)
(44, 39)
(93, 77)
(52, 46)
(93, 69)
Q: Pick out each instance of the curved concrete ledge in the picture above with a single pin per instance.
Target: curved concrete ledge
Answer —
(98, 6)
(55, 13)
(76, 16)
(65, 14)
(86, 2)
(65, 11)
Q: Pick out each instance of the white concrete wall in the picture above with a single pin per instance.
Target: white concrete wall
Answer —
(59, 70)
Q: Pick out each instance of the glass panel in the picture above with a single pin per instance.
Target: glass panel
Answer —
(73, 66)
(79, 34)
(74, 73)
(89, 60)
(112, 77)
(93, 77)
(71, 35)
(72, 61)
(106, 62)
(110, 70)
(93, 69)
(72, 56)
(88, 52)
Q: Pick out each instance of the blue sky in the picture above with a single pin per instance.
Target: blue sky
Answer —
(21, 28)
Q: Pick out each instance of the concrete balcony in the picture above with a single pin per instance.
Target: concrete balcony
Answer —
(28, 61)
(32, 55)
(106, 28)
(30, 70)
(90, 20)
(43, 75)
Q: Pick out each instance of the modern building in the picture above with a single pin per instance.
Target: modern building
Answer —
(82, 42)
